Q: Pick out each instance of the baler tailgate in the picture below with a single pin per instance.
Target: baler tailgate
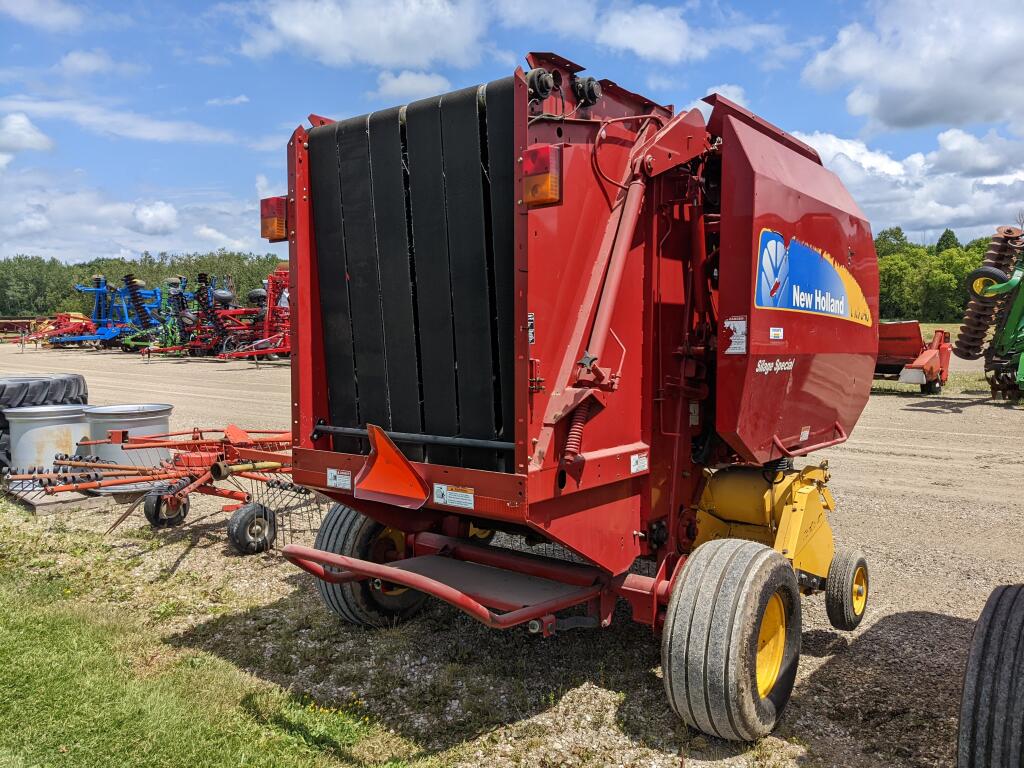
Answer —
(413, 210)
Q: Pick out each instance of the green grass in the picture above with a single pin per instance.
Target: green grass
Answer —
(74, 691)
(958, 383)
(91, 676)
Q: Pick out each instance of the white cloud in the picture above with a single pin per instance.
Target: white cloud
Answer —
(213, 60)
(264, 188)
(731, 91)
(228, 101)
(650, 32)
(18, 133)
(830, 147)
(158, 218)
(965, 153)
(927, 192)
(111, 122)
(387, 33)
(97, 61)
(408, 85)
(572, 17)
(928, 62)
(50, 15)
(219, 239)
(59, 215)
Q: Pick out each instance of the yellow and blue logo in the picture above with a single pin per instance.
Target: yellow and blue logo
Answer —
(802, 278)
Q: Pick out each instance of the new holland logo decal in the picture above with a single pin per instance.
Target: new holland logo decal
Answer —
(801, 278)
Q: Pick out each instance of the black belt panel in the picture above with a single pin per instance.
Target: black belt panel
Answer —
(413, 215)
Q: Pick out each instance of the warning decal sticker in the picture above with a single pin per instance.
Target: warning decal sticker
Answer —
(453, 496)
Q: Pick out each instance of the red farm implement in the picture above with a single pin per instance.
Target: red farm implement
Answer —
(271, 324)
(590, 322)
(249, 469)
(16, 328)
(61, 324)
(905, 356)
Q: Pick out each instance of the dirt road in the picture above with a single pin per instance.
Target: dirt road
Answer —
(929, 488)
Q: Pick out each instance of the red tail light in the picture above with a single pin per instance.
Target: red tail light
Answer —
(542, 174)
(274, 218)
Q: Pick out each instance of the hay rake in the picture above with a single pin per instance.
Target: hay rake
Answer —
(249, 469)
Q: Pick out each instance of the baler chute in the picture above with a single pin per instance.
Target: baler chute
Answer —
(548, 307)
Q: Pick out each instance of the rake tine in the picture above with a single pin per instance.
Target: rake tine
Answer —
(124, 516)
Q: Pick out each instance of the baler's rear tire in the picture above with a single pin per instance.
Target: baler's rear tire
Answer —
(731, 641)
(846, 589)
(992, 706)
(347, 532)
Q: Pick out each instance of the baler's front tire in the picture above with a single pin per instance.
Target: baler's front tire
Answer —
(731, 641)
(351, 534)
(846, 589)
(992, 706)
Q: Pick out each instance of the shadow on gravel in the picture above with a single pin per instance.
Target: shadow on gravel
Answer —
(443, 678)
(893, 693)
(957, 405)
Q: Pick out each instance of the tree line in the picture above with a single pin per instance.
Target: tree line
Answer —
(34, 286)
(924, 282)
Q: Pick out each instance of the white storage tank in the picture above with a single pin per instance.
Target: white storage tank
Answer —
(138, 419)
(39, 432)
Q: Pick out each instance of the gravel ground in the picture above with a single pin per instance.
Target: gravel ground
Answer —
(925, 486)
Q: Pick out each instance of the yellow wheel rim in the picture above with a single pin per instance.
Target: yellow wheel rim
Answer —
(771, 644)
(860, 590)
(479, 533)
(981, 283)
(389, 544)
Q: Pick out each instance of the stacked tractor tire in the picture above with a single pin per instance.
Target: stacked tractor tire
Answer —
(28, 390)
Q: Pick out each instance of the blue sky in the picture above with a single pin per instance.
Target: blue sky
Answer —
(157, 126)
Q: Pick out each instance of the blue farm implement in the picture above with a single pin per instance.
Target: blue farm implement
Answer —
(116, 312)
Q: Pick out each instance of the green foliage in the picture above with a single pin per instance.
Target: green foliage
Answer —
(924, 283)
(947, 240)
(31, 285)
(890, 240)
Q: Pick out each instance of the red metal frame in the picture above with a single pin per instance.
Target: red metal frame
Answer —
(627, 282)
(900, 345)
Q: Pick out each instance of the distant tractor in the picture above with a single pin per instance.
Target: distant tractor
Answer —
(993, 325)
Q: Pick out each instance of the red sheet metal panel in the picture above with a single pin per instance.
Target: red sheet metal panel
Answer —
(798, 300)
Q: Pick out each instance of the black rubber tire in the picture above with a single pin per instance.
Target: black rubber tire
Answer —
(992, 273)
(153, 508)
(252, 529)
(932, 387)
(709, 642)
(347, 532)
(839, 601)
(992, 706)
